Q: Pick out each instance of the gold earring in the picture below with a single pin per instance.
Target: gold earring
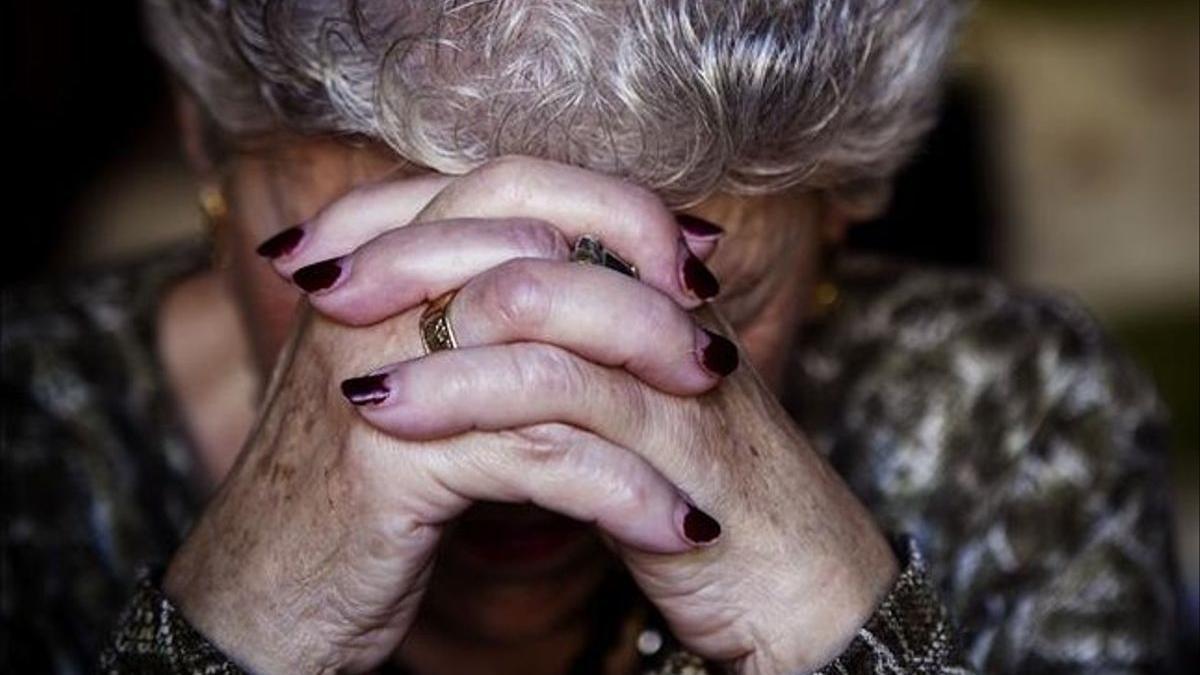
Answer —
(212, 204)
(826, 296)
(215, 210)
(826, 292)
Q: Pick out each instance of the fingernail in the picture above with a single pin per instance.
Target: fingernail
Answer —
(698, 280)
(699, 228)
(318, 276)
(281, 244)
(366, 390)
(720, 355)
(699, 527)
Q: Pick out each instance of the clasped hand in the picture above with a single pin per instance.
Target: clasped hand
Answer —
(614, 401)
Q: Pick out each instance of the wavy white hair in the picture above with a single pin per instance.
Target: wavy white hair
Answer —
(686, 97)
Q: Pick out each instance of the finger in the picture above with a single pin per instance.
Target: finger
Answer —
(606, 318)
(351, 221)
(411, 265)
(511, 386)
(574, 473)
(630, 220)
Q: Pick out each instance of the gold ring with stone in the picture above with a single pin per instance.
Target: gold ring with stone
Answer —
(589, 250)
(436, 332)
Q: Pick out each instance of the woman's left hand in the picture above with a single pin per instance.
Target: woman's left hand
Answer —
(793, 563)
(796, 564)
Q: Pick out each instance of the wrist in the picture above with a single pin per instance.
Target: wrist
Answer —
(227, 614)
(827, 615)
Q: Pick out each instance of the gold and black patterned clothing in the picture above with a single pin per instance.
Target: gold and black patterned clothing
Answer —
(1020, 453)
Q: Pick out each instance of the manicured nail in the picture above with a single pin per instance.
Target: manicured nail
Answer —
(366, 390)
(699, 228)
(698, 280)
(318, 276)
(720, 355)
(281, 244)
(699, 527)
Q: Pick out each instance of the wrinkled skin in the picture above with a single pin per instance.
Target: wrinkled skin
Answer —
(328, 524)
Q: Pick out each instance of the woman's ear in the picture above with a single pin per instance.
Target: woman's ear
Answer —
(847, 207)
(194, 136)
(833, 223)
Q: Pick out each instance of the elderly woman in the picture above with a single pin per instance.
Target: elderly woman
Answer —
(486, 372)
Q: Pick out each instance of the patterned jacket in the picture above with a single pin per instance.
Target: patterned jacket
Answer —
(1022, 454)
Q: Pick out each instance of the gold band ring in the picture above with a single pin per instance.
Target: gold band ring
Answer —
(436, 333)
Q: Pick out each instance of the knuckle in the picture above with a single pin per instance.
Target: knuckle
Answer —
(644, 199)
(551, 370)
(505, 179)
(633, 498)
(517, 297)
(626, 486)
(646, 206)
(542, 444)
(537, 238)
(497, 181)
(554, 434)
(502, 167)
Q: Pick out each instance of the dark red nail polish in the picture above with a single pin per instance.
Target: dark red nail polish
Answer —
(366, 389)
(281, 244)
(720, 355)
(698, 279)
(699, 527)
(318, 276)
(698, 227)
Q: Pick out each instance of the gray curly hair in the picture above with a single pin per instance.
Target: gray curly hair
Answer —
(686, 97)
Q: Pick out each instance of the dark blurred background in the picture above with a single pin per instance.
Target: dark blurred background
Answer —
(1068, 156)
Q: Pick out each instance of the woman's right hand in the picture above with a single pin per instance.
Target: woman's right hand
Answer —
(314, 554)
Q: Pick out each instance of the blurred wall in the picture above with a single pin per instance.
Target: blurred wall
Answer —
(1097, 133)
(81, 91)
(1097, 142)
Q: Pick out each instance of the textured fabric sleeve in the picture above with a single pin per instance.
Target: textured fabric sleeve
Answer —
(910, 633)
(153, 637)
